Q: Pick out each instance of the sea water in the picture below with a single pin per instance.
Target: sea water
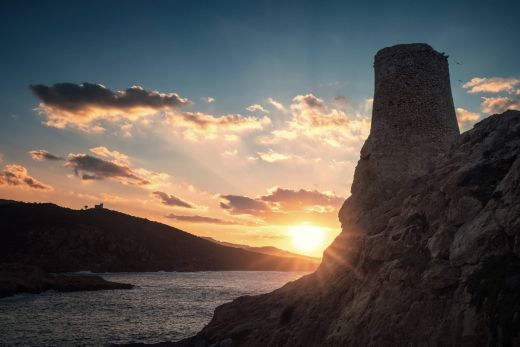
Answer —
(164, 306)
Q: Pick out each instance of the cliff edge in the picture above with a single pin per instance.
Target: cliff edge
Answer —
(433, 259)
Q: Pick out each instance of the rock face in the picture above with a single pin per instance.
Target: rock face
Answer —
(434, 263)
(18, 278)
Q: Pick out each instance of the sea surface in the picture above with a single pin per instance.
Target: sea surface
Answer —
(165, 306)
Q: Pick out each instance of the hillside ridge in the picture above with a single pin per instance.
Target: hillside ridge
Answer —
(60, 239)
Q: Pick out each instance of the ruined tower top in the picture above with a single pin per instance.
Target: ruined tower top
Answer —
(412, 99)
(413, 117)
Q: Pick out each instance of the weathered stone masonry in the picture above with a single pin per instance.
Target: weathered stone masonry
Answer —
(413, 117)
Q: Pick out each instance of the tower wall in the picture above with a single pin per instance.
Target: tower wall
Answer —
(412, 97)
(413, 119)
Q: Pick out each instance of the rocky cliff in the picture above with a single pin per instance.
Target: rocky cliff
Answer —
(434, 263)
(438, 264)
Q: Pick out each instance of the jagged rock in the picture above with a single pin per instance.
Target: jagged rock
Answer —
(434, 263)
(423, 279)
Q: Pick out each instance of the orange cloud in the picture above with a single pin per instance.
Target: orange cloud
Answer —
(490, 85)
(308, 200)
(466, 119)
(198, 126)
(499, 104)
(281, 201)
(17, 175)
(311, 118)
(104, 152)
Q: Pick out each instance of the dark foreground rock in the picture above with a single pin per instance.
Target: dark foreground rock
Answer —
(18, 278)
(436, 264)
(429, 253)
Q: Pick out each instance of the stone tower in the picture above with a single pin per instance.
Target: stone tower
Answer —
(413, 118)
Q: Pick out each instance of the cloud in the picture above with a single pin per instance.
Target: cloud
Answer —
(197, 126)
(116, 166)
(88, 168)
(499, 104)
(104, 152)
(367, 105)
(340, 102)
(277, 105)
(92, 168)
(171, 200)
(271, 156)
(237, 204)
(312, 119)
(281, 200)
(201, 219)
(209, 99)
(17, 175)
(42, 154)
(466, 118)
(490, 85)
(291, 200)
(84, 105)
(230, 153)
(256, 107)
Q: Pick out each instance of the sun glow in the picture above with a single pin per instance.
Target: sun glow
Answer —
(307, 238)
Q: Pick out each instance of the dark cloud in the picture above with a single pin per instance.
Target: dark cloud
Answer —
(340, 102)
(201, 219)
(282, 201)
(42, 154)
(236, 204)
(73, 97)
(17, 175)
(171, 200)
(312, 101)
(92, 168)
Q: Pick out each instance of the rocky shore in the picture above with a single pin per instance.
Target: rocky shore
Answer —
(19, 278)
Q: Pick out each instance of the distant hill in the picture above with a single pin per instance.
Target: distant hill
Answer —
(59, 239)
(264, 250)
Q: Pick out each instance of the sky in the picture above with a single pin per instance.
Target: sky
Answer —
(237, 120)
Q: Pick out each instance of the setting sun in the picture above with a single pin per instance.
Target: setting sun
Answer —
(307, 238)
